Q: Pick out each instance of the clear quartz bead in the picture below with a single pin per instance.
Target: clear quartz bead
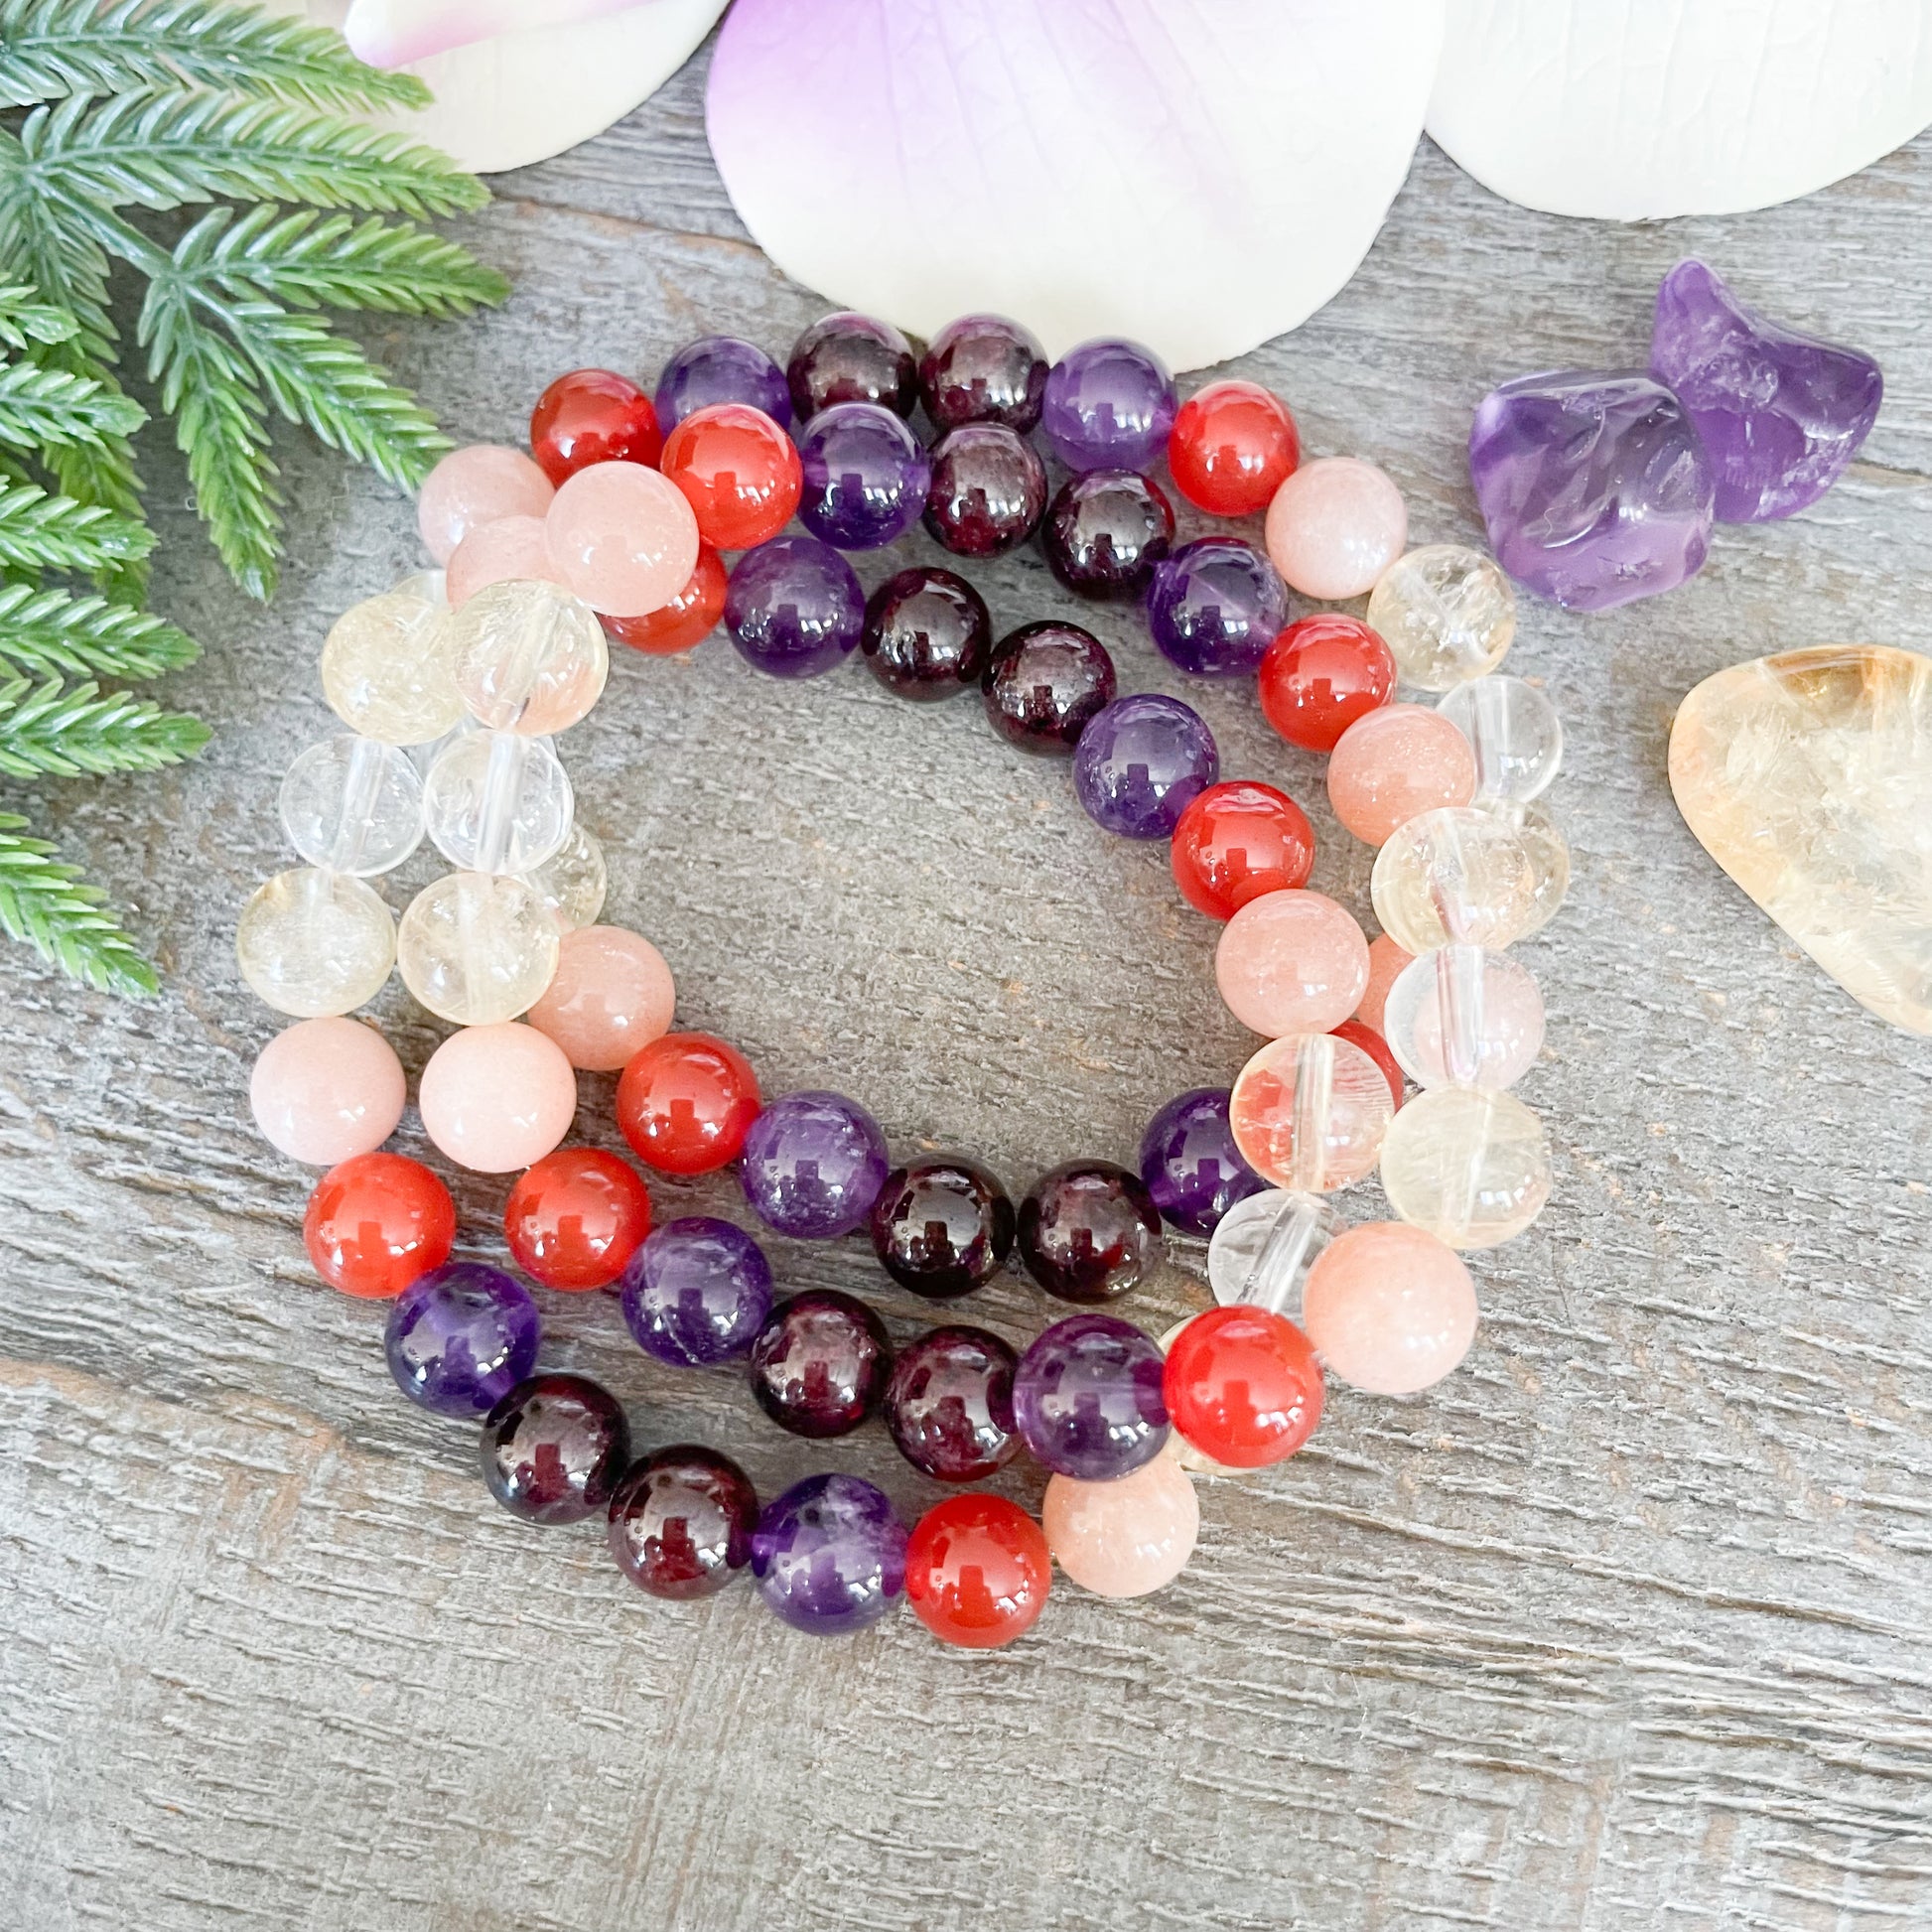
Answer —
(386, 669)
(1446, 612)
(1464, 1016)
(1454, 875)
(354, 804)
(1470, 1167)
(476, 948)
(1264, 1245)
(498, 801)
(529, 656)
(1548, 857)
(574, 884)
(1516, 735)
(315, 943)
(1308, 1112)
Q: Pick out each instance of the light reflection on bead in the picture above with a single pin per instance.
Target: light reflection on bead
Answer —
(1457, 874)
(1310, 1112)
(476, 948)
(1447, 615)
(1472, 1169)
(1464, 1017)
(354, 804)
(387, 669)
(314, 943)
(529, 657)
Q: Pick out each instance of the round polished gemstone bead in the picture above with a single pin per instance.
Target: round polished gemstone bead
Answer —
(1390, 1307)
(1238, 841)
(1045, 684)
(829, 1555)
(1310, 1112)
(576, 1217)
(1455, 875)
(740, 472)
(950, 1403)
(820, 1363)
(1386, 961)
(865, 476)
(977, 1572)
(696, 1292)
(1124, 1538)
(1320, 675)
(984, 369)
(1109, 404)
(1141, 762)
(312, 943)
(720, 368)
(377, 1222)
(927, 634)
(388, 668)
(1105, 531)
(1243, 1386)
(1470, 1167)
(593, 416)
(1465, 1016)
(477, 485)
(687, 619)
(1190, 1164)
(682, 1522)
(1395, 764)
(497, 1098)
(1088, 1231)
(813, 1165)
(1292, 963)
(476, 948)
(324, 1090)
(988, 490)
(622, 537)
(794, 607)
(1377, 1048)
(686, 1102)
(1234, 444)
(848, 358)
(611, 995)
(943, 1226)
(511, 549)
(1447, 613)
(1215, 607)
(1087, 1398)
(1334, 526)
(530, 656)
(461, 1337)
(553, 1449)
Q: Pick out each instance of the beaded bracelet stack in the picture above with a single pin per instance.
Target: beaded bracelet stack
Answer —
(614, 528)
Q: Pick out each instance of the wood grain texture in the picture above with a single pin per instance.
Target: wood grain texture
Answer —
(1626, 1627)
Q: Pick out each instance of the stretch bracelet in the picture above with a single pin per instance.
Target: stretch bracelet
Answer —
(453, 686)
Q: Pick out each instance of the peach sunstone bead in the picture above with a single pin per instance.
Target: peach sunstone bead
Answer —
(497, 1098)
(1395, 762)
(1334, 526)
(510, 549)
(625, 538)
(1127, 1537)
(1389, 1308)
(1292, 962)
(324, 1090)
(610, 995)
(474, 487)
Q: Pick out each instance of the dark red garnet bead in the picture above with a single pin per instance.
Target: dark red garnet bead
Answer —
(681, 1522)
(1105, 532)
(988, 490)
(1045, 683)
(927, 635)
(820, 1362)
(553, 1449)
(1089, 1232)
(943, 1226)
(950, 1403)
(848, 358)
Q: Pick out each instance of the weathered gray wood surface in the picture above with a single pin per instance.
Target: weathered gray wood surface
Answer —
(1626, 1627)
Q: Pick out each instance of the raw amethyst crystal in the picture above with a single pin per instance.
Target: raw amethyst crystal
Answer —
(1781, 414)
(1594, 486)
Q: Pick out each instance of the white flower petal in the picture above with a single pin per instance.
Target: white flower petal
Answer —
(392, 33)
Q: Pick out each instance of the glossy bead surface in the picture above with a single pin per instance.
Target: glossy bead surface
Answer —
(977, 1572)
(1262, 1249)
(1549, 856)
(476, 948)
(984, 369)
(850, 357)
(1320, 675)
(686, 1101)
(572, 887)
(812, 1164)
(1105, 531)
(498, 801)
(739, 471)
(829, 1555)
(554, 1447)
(1086, 1396)
(1243, 1386)
(682, 1522)
(1215, 607)
(865, 476)
(1515, 734)
(1190, 1164)
(353, 805)
(820, 1363)
(1109, 404)
(1044, 685)
(1140, 763)
(475, 486)
(1124, 1538)
(576, 1217)
(325, 1091)
(1088, 1231)
(511, 549)
(685, 622)
(1377, 1048)
(1452, 876)
(720, 368)
(1464, 1016)
(1389, 1309)
(1234, 444)
(387, 669)
(950, 1403)
(1472, 1168)
(377, 1222)
(529, 657)
(927, 635)
(592, 416)
(1385, 963)
(461, 1337)
(794, 607)
(497, 1098)
(611, 995)
(1447, 615)
(1395, 762)
(1310, 1112)
(623, 538)
(1334, 526)
(696, 1292)
(1237, 842)
(943, 1226)
(1292, 963)
(988, 490)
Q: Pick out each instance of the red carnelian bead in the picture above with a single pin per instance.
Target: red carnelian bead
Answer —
(686, 1102)
(1322, 674)
(689, 618)
(377, 1222)
(977, 1570)
(1236, 841)
(576, 1217)
(1357, 1033)
(1243, 1386)
(1232, 446)
(739, 471)
(593, 416)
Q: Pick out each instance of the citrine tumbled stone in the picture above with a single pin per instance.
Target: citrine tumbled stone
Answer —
(977, 1570)
(686, 1102)
(1243, 1386)
(1238, 841)
(377, 1222)
(576, 1217)
(1320, 675)
(739, 469)
(1232, 446)
(593, 416)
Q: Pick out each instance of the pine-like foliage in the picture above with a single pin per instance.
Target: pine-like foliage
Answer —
(114, 114)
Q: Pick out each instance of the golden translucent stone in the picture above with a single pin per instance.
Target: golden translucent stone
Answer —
(1457, 875)
(387, 669)
(476, 948)
(1808, 777)
(1472, 1168)
(529, 657)
(1447, 615)
(572, 885)
(315, 943)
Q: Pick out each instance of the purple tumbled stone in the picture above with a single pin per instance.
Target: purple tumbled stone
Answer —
(1141, 762)
(1781, 414)
(1593, 484)
(813, 1165)
(1087, 1399)
(1191, 1164)
(865, 476)
(461, 1337)
(1109, 406)
(829, 1555)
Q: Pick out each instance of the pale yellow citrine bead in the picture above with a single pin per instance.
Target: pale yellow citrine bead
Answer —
(386, 669)
(529, 656)
(1447, 615)
(1470, 1167)
(477, 948)
(1455, 875)
(315, 943)
(574, 884)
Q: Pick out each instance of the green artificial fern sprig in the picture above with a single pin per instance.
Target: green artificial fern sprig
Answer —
(47, 632)
(52, 908)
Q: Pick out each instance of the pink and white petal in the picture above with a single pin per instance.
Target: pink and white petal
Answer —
(1633, 110)
(1199, 175)
(392, 33)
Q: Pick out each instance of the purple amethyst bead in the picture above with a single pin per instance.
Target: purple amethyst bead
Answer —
(984, 369)
(829, 1555)
(865, 476)
(1141, 762)
(950, 1403)
(461, 1337)
(696, 1291)
(813, 1165)
(1087, 1398)
(1593, 484)
(1781, 414)
(794, 607)
(1109, 406)
(1215, 606)
(1191, 1164)
(721, 368)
